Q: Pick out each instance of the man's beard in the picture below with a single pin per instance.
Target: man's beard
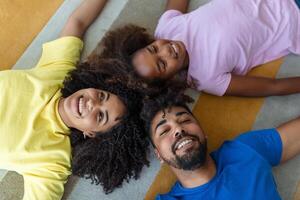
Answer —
(191, 160)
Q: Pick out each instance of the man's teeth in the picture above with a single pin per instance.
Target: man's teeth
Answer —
(80, 107)
(183, 143)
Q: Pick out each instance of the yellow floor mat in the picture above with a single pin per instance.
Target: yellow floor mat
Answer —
(221, 118)
(20, 22)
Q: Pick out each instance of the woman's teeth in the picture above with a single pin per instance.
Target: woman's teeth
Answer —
(80, 106)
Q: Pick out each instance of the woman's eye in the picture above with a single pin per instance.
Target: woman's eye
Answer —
(99, 117)
(101, 96)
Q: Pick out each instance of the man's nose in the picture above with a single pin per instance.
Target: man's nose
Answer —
(179, 132)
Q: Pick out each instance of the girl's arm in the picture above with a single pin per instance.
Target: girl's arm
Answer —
(83, 17)
(250, 86)
(180, 5)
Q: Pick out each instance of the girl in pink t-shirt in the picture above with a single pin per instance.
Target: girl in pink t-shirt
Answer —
(214, 46)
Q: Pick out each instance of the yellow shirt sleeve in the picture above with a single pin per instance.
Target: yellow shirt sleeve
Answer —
(44, 185)
(64, 51)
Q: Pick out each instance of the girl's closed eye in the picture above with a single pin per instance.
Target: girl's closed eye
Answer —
(162, 65)
(154, 48)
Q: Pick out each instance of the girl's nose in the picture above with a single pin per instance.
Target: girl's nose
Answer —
(165, 51)
(93, 103)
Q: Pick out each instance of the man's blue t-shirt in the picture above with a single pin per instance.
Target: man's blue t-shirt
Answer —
(244, 170)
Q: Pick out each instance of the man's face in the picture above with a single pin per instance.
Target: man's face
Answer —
(179, 141)
(162, 59)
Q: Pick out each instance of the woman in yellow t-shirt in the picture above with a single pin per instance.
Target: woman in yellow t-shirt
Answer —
(57, 118)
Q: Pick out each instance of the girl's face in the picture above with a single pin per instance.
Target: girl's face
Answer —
(91, 110)
(161, 59)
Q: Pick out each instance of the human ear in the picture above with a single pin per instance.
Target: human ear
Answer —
(90, 134)
(158, 156)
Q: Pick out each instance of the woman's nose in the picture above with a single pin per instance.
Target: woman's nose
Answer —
(91, 104)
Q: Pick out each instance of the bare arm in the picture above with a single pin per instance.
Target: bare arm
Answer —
(180, 5)
(261, 87)
(290, 136)
(83, 17)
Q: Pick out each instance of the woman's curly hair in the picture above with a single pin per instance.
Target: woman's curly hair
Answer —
(122, 43)
(120, 153)
(168, 98)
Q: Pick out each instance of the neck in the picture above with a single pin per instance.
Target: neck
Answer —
(197, 177)
(186, 61)
(61, 111)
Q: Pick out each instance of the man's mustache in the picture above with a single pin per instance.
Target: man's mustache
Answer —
(183, 134)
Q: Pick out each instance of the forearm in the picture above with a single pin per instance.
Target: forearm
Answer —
(83, 17)
(290, 136)
(249, 86)
(285, 86)
(181, 5)
(87, 12)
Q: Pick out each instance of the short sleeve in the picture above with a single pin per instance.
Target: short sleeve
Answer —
(63, 51)
(267, 143)
(164, 197)
(49, 186)
(164, 20)
(218, 85)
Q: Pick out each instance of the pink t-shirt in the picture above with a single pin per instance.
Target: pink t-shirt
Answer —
(232, 36)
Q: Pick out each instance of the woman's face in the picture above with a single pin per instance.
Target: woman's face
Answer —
(162, 59)
(91, 111)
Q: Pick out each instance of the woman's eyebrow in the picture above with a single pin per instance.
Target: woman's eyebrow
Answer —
(107, 117)
(107, 97)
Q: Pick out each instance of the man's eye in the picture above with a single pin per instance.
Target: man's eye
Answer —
(185, 121)
(163, 132)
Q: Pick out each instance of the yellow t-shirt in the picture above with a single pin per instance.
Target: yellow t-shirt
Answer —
(34, 140)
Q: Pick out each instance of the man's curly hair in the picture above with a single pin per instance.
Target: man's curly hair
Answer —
(122, 43)
(120, 153)
(168, 98)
